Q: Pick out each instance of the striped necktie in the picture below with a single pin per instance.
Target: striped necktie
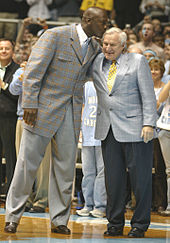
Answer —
(111, 75)
(85, 47)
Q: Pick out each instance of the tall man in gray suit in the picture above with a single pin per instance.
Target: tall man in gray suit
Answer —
(52, 100)
(126, 117)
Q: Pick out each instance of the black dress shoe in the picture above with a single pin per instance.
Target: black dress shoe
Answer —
(10, 227)
(61, 229)
(37, 209)
(136, 233)
(113, 231)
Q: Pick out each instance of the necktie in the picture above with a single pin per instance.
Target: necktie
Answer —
(111, 75)
(84, 47)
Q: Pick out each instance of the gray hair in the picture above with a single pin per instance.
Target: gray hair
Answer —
(122, 34)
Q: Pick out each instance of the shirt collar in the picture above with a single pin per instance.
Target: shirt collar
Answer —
(117, 60)
(81, 34)
(4, 67)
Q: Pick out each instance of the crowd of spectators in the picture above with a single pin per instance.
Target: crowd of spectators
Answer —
(148, 30)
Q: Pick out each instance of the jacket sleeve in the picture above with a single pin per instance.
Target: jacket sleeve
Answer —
(37, 67)
(15, 86)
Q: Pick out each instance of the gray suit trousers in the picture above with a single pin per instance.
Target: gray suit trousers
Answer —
(62, 167)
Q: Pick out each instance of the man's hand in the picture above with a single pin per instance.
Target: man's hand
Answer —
(147, 133)
(30, 116)
(3, 85)
(27, 21)
(23, 64)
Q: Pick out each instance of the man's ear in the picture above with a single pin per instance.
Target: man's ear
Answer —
(88, 20)
(124, 48)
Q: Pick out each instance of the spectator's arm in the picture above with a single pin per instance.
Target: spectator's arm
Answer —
(164, 93)
(25, 23)
(15, 86)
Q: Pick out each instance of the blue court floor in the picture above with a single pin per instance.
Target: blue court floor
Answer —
(82, 223)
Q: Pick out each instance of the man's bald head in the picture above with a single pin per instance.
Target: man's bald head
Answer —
(93, 11)
(94, 21)
(133, 49)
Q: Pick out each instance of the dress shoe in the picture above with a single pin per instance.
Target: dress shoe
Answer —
(61, 229)
(10, 227)
(37, 209)
(136, 233)
(113, 231)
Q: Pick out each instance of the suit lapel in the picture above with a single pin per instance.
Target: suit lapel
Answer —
(103, 76)
(121, 72)
(93, 47)
(75, 43)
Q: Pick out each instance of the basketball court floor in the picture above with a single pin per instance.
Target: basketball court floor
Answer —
(36, 228)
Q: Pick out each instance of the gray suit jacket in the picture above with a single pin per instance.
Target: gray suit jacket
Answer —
(54, 77)
(131, 103)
